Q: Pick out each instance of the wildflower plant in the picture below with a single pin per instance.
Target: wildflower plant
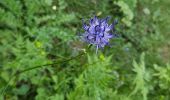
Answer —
(98, 32)
(40, 58)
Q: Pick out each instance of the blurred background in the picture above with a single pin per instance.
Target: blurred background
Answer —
(37, 32)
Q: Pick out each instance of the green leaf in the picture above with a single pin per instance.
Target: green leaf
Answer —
(22, 90)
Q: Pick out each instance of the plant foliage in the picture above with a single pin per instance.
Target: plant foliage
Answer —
(40, 32)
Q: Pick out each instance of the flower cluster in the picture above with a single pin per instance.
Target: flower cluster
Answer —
(98, 32)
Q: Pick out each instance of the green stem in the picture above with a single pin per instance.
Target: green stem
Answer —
(48, 64)
(39, 66)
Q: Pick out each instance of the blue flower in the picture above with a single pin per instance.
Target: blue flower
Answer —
(98, 32)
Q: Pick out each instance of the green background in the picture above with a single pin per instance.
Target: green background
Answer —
(37, 32)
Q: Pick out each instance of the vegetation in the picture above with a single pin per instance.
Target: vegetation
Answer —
(43, 58)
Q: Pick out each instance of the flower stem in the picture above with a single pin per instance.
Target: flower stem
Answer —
(48, 64)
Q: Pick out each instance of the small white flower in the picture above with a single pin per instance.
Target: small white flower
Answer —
(54, 7)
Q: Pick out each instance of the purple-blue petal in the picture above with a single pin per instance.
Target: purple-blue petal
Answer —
(98, 32)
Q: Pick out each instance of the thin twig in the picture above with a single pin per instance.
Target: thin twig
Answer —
(54, 63)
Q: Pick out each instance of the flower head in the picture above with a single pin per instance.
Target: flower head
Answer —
(98, 32)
